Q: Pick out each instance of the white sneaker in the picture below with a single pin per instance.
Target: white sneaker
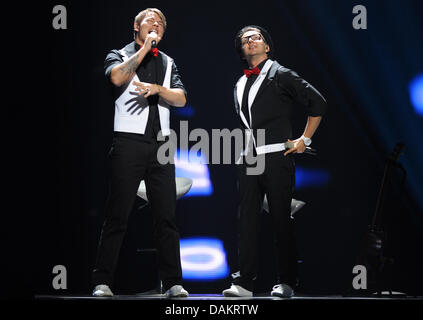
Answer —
(177, 291)
(282, 290)
(102, 290)
(237, 291)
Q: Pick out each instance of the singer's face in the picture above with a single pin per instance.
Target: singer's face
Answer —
(151, 22)
(253, 44)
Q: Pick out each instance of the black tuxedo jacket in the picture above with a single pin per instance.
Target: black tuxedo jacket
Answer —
(271, 100)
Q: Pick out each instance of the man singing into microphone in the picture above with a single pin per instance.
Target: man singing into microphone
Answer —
(264, 99)
(145, 84)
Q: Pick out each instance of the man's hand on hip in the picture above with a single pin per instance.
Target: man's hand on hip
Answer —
(299, 146)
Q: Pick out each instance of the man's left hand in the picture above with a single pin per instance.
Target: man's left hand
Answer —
(145, 88)
(299, 146)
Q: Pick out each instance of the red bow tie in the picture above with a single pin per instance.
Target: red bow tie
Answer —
(249, 72)
(155, 52)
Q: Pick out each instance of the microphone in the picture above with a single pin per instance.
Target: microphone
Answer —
(153, 43)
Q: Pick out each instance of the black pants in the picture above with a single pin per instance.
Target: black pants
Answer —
(133, 160)
(277, 182)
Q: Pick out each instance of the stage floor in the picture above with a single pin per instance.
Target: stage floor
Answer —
(219, 297)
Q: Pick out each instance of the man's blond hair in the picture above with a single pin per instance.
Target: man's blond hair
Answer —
(140, 17)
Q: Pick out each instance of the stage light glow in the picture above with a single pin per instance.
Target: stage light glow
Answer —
(416, 93)
(203, 259)
(310, 177)
(193, 167)
(185, 112)
(196, 168)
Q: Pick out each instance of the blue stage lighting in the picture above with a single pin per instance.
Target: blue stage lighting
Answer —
(203, 259)
(194, 168)
(416, 93)
(310, 177)
(185, 112)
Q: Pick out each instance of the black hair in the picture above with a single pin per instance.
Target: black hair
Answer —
(266, 37)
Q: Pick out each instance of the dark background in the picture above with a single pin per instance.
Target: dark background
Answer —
(59, 123)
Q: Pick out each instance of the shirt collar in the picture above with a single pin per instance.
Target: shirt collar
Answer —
(261, 65)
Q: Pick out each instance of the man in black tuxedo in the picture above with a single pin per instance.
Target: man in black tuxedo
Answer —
(145, 84)
(264, 98)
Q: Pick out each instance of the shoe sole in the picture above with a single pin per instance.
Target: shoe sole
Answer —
(234, 295)
(182, 295)
(230, 295)
(280, 295)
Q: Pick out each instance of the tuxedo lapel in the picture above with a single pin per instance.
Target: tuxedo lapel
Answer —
(238, 94)
(162, 64)
(237, 105)
(261, 82)
(240, 86)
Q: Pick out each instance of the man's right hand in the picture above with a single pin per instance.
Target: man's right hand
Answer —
(148, 41)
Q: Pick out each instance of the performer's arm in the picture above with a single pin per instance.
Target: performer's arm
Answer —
(174, 96)
(125, 71)
(314, 102)
(291, 84)
(311, 126)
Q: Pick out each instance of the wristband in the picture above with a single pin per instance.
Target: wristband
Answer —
(307, 141)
